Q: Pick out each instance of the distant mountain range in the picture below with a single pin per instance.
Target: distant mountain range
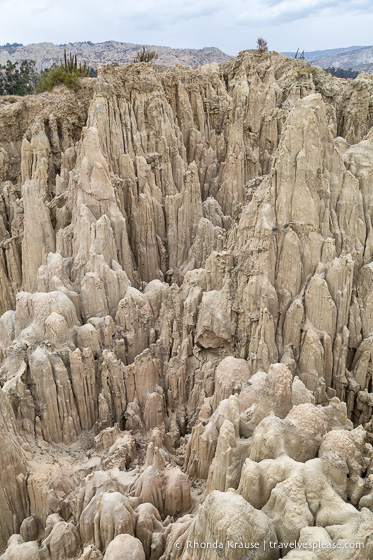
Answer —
(311, 55)
(354, 58)
(45, 54)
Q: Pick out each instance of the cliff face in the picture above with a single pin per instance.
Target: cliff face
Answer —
(186, 275)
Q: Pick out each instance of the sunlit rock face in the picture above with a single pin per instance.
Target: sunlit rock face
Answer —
(186, 329)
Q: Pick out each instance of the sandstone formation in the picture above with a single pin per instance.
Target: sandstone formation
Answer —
(186, 329)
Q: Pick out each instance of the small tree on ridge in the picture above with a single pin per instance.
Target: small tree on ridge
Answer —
(262, 45)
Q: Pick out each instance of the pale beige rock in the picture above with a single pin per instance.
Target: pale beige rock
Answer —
(63, 542)
(263, 394)
(201, 447)
(13, 472)
(215, 326)
(125, 546)
(17, 549)
(196, 246)
(148, 522)
(91, 553)
(167, 490)
(106, 516)
(231, 451)
(29, 529)
(298, 435)
(177, 500)
(226, 516)
(230, 376)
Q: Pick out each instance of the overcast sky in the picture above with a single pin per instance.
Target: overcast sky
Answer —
(231, 25)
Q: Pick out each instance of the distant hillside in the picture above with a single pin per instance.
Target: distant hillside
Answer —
(312, 55)
(45, 54)
(358, 59)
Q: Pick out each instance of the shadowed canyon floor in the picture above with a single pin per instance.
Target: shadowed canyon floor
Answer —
(186, 328)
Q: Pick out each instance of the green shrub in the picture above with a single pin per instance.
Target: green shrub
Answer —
(56, 76)
(304, 70)
(342, 73)
(66, 73)
(18, 79)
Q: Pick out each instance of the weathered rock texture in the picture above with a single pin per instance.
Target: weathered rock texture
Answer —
(186, 338)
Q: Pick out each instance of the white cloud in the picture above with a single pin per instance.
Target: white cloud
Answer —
(270, 12)
(231, 25)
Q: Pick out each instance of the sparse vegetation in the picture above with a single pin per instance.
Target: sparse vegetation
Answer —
(55, 76)
(23, 79)
(66, 73)
(18, 79)
(145, 56)
(341, 73)
(304, 70)
(262, 45)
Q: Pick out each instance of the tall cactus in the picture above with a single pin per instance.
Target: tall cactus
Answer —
(145, 56)
(69, 64)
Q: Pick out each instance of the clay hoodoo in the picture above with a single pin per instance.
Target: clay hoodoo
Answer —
(186, 329)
